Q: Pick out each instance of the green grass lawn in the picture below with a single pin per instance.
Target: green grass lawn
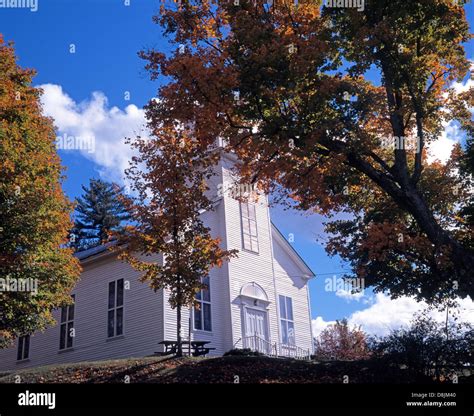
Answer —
(214, 370)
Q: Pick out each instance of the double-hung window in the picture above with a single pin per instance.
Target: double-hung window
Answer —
(249, 226)
(202, 308)
(287, 323)
(66, 334)
(23, 348)
(115, 310)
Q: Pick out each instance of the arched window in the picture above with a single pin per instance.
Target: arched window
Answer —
(254, 291)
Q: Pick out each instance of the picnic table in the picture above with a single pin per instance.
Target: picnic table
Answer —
(197, 347)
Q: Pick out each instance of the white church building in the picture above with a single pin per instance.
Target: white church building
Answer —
(258, 300)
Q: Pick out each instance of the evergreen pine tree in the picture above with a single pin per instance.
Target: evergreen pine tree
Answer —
(98, 212)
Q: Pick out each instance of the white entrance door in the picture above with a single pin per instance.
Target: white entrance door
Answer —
(256, 330)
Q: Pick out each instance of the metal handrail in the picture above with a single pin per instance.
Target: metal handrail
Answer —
(274, 349)
(236, 342)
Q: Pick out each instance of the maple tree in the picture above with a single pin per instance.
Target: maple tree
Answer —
(34, 212)
(340, 342)
(336, 107)
(170, 178)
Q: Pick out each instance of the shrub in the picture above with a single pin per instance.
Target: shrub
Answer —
(339, 342)
(428, 348)
(243, 352)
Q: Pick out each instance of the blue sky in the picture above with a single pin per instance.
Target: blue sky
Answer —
(107, 35)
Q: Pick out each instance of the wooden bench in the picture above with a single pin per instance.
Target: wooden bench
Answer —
(197, 348)
(202, 351)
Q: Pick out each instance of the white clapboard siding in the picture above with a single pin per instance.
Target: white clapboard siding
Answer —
(249, 266)
(148, 317)
(291, 283)
(276, 268)
(219, 337)
(143, 321)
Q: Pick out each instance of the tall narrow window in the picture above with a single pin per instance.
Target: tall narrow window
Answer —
(66, 335)
(249, 226)
(286, 320)
(115, 313)
(23, 348)
(202, 308)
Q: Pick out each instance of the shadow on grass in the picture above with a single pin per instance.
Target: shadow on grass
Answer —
(230, 369)
(137, 373)
(279, 370)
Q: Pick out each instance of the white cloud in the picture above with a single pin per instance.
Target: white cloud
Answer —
(319, 325)
(386, 314)
(441, 148)
(459, 87)
(349, 296)
(109, 126)
(349, 290)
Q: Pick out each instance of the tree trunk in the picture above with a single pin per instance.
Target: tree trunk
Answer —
(461, 257)
(406, 193)
(409, 198)
(179, 352)
(189, 330)
(447, 322)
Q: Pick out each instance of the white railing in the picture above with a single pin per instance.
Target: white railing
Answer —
(275, 349)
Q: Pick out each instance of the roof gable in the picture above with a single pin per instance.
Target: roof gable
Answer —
(288, 249)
